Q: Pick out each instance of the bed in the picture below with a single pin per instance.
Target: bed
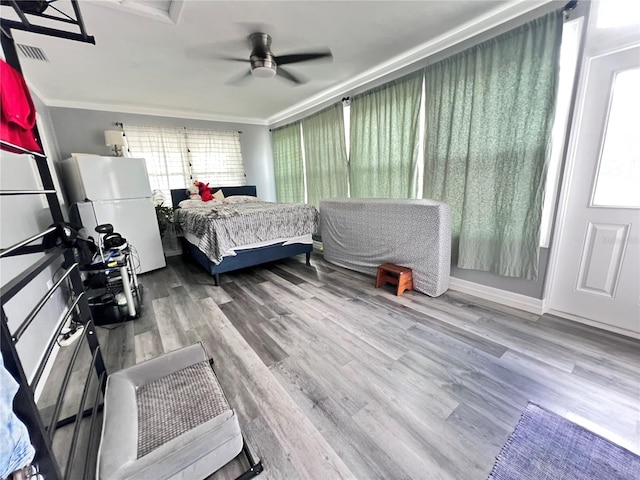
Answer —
(225, 237)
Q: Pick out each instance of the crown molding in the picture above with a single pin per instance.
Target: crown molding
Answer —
(160, 112)
(466, 31)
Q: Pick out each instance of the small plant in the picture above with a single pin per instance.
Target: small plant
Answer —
(164, 215)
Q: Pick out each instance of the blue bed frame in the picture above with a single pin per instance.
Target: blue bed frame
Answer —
(243, 258)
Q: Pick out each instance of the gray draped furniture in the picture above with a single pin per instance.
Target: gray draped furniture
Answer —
(360, 234)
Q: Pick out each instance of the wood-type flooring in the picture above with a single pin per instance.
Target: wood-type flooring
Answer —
(333, 378)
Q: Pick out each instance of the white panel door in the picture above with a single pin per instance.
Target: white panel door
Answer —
(107, 178)
(597, 275)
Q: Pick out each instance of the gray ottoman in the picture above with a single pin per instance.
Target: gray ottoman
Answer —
(167, 418)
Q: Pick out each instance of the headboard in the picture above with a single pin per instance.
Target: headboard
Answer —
(180, 194)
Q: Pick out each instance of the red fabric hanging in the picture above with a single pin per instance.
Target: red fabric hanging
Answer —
(18, 114)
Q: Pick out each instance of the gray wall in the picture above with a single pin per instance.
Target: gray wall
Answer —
(82, 131)
(530, 288)
(20, 218)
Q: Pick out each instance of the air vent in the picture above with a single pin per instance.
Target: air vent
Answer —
(34, 53)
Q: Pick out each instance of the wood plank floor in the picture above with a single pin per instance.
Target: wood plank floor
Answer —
(334, 379)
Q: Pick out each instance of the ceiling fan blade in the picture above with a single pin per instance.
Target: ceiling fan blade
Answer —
(281, 72)
(303, 57)
(239, 79)
(213, 50)
(201, 54)
(232, 59)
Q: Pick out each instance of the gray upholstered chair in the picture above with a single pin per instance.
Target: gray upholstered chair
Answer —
(168, 418)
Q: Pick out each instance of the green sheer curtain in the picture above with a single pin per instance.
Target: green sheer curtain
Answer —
(384, 140)
(287, 163)
(489, 113)
(325, 154)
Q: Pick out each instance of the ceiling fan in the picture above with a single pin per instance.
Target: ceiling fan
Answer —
(264, 64)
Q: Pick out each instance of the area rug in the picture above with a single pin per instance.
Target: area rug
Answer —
(547, 446)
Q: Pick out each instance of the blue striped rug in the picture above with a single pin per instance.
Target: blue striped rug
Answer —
(546, 446)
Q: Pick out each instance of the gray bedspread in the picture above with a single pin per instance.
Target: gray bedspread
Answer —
(361, 234)
(221, 228)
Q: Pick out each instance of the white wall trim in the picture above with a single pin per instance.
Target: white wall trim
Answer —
(160, 112)
(51, 361)
(594, 323)
(503, 297)
(528, 304)
(567, 180)
(466, 31)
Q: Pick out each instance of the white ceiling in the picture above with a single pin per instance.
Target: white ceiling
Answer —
(146, 65)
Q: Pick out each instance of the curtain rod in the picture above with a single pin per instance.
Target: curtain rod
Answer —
(121, 125)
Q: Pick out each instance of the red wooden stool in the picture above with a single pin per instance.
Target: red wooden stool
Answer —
(395, 275)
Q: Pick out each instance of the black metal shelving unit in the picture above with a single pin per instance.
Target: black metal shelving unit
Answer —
(41, 432)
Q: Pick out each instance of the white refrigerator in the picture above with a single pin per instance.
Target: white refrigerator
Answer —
(115, 190)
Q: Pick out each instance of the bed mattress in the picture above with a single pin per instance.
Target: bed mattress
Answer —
(361, 234)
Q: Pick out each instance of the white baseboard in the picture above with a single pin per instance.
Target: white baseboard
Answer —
(503, 297)
(594, 323)
(528, 304)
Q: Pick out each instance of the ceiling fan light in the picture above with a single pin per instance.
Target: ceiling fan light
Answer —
(263, 72)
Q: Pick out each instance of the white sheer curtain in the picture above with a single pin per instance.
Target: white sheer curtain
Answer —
(215, 157)
(177, 156)
(164, 150)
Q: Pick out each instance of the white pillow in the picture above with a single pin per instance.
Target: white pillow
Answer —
(241, 199)
(190, 203)
(219, 195)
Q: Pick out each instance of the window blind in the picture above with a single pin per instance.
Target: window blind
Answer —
(176, 157)
(215, 157)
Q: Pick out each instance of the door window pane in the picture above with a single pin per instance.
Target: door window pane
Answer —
(616, 14)
(618, 179)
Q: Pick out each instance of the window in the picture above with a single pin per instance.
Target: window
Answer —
(176, 157)
(215, 157)
(568, 60)
(619, 171)
(346, 106)
(570, 47)
(616, 14)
